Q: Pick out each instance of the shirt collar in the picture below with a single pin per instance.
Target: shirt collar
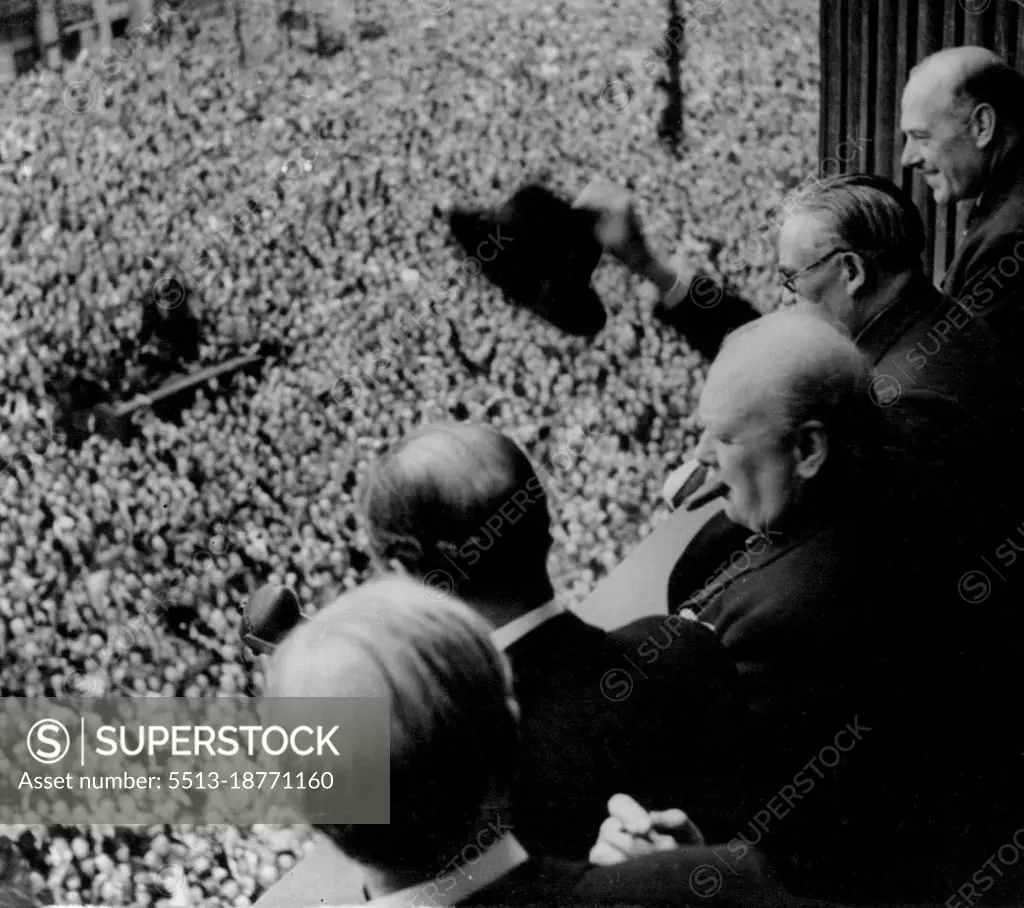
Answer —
(504, 636)
(496, 862)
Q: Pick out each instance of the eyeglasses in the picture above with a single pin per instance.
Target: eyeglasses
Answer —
(789, 281)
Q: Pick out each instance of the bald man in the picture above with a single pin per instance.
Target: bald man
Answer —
(836, 649)
(962, 116)
(790, 429)
(454, 835)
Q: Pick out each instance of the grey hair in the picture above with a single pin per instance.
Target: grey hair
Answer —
(818, 373)
(453, 721)
(435, 496)
(869, 215)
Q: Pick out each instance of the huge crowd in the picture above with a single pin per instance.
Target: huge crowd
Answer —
(293, 203)
(105, 195)
(823, 706)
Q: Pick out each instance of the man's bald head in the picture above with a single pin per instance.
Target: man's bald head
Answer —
(462, 503)
(967, 76)
(453, 718)
(786, 405)
(947, 74)
(791, 365)
(962, 108)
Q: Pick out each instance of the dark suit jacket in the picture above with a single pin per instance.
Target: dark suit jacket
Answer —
(716, 875)
(692, 876)
(954, 403)
(721, 874)
(955, 496)
(830, 631)
(789, 613)
(650, 710)
(688, 876)
(987, 274)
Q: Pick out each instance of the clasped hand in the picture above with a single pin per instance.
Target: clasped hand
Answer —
(631, 831)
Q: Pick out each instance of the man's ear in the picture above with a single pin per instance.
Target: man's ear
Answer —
(983, 125)
(812, 448)
(854, 272)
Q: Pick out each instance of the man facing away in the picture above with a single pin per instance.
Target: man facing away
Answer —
(651, 707)
(453, 832)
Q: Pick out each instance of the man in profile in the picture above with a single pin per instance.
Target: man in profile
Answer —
(952, 396)
(831, 624)
(963, 120)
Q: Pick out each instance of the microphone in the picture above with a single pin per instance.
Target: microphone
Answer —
(271, 613)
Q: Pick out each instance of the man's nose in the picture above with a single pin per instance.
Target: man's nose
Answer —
(703, 452)
(911, 157)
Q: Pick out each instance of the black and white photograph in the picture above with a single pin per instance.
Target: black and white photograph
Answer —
(539, 453)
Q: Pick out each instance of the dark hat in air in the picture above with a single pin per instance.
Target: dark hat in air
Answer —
(541, 252)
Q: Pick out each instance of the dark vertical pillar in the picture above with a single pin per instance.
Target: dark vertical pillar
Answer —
(1020, 40)
(865, 140)
(832, 117)
(1004, 22)
(928, 39)
(854, 106)
(885, 148)
(906, 31)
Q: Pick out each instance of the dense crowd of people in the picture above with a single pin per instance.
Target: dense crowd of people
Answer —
(856, 493)
(292, 204)
(110, 201)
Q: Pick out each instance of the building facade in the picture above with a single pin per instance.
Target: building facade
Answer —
(51, 31)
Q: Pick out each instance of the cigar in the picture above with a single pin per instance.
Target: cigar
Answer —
(716, 491)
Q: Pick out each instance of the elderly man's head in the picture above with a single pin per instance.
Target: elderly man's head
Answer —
(962, 107)
(460, 506)
(846, 241)
(787, 415)
(453, 717)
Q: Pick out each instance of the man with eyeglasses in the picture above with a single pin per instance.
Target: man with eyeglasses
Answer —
(950, 403)
(851, 248)
(953, 397)
(963, 121)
